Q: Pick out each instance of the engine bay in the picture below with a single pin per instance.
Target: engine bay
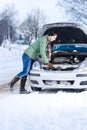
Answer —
(70, 49)
(66, 60)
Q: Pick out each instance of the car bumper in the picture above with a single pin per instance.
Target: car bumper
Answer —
(56, 79)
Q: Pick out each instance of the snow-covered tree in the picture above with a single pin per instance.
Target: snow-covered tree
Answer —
(7, 23)
(76, 9)
(31, 27)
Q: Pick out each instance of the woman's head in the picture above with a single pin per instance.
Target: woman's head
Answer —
(53, 36)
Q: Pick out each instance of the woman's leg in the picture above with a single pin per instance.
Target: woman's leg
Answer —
(22, 86)
(13, 81)
(27, 62)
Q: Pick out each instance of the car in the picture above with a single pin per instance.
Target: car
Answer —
(69, 57)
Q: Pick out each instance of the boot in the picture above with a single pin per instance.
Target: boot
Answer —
(13, 81)
(22, 86)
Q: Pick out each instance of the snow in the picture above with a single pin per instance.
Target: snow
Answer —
(38, 110)
(10, 62)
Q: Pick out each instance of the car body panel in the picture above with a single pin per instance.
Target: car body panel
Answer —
(58, 79)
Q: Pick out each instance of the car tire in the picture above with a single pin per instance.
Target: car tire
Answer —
(35, 88)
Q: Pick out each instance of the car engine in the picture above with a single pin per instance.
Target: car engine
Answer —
(65, 61)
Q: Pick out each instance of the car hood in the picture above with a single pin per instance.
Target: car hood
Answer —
(67, 32)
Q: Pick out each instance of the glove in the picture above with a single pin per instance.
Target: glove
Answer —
(50, 65)
(53, 53)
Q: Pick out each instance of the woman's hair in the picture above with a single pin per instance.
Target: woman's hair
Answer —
(52, 33)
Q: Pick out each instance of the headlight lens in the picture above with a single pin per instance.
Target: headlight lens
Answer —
(36, 65)
(83, 65)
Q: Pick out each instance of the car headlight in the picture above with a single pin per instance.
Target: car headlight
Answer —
(36, 65)
(83, 65)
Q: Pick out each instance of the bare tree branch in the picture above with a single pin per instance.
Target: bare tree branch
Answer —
(7, 23)
(76, 9)
(33, 24)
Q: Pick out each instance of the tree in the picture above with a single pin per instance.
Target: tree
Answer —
(76, 9)
(31, 27)
(7, 23)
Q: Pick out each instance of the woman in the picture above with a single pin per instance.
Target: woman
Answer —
(29, 56)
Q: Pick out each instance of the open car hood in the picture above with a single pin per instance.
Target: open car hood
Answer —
(67, 32)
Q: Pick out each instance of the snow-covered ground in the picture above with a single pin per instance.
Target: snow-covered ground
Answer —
(10, 62)
(37, 111)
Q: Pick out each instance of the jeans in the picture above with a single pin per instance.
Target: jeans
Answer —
(27, 63)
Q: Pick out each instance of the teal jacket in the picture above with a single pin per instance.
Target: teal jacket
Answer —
(38, 47)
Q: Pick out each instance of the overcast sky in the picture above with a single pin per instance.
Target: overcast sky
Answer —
(48, 7)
